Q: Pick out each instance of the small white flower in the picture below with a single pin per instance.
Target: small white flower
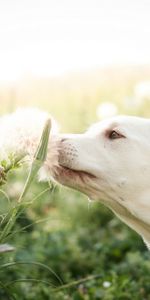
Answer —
(106, 284)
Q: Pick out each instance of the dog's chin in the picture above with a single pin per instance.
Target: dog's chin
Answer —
(76, 179)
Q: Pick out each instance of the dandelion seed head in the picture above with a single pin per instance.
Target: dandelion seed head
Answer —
(20, 133)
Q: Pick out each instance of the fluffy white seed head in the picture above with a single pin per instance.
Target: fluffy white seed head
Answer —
(20, 133)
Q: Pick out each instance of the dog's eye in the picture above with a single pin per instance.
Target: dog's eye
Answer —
(113, 135)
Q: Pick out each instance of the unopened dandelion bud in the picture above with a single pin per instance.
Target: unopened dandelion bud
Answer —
(43, 144)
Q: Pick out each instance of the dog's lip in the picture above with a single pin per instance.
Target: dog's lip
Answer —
(80, 173)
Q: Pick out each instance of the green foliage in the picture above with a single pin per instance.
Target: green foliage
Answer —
(60, 239)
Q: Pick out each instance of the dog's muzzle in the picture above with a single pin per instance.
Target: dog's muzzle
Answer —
(67, 154)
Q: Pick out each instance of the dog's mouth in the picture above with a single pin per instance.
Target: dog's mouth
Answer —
(80, 173)
(66, 171)
(68, 174)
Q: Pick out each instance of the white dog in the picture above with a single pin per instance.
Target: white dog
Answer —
(110, 162)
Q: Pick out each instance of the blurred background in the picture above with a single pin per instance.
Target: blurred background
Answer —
(82, 61)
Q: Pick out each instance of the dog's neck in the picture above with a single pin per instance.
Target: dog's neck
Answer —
(132, 221)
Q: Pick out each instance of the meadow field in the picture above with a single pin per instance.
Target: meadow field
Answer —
(66, 248)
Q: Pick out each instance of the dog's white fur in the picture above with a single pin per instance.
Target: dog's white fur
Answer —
(113, 171)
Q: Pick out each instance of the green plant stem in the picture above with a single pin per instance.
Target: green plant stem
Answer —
(33, 263)
(28, 280)
(77, 282)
